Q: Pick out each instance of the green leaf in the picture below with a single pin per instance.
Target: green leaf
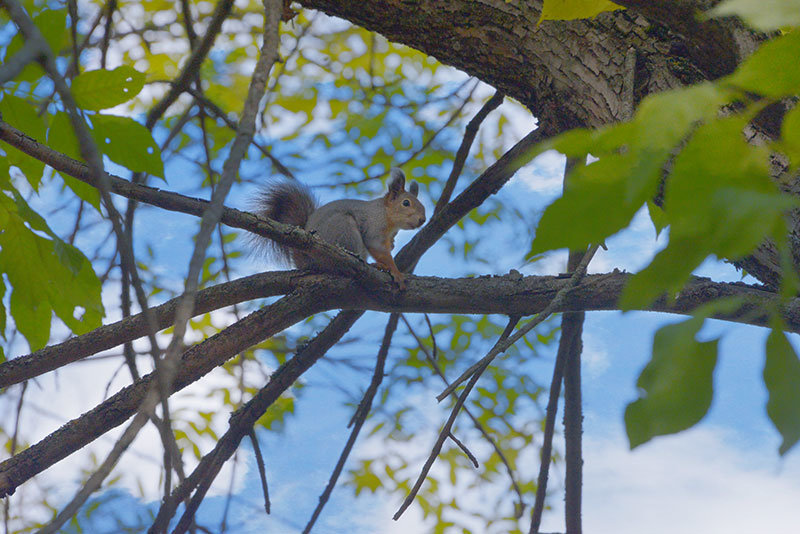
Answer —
(717, 156)
(657, 216)
(100, 89)
(601, 199)
(719, 200)
(46, 275)
(5, 176)
(31, 314)
(575, 9)
(772, 69)
(22, 116)
(667, 273)
(763, 15)
(663, 119)
(676, 386)
(365, 478)
(746, 218)
(790, 136)
(782, 378)
(53, 25)
(61, 136)
(128, 143)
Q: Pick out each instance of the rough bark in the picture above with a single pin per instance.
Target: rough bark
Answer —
(568, 73)
(582, 73)
(511, 294)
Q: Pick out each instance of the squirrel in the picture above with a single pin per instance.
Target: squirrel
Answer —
(359, 226)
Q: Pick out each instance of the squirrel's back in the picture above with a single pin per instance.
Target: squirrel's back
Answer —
(349, 223)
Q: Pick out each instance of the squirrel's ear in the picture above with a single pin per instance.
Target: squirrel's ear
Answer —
(413, 188)
(397, 183)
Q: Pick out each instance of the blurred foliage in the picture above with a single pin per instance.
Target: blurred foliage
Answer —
(344, 105)
(719, 199)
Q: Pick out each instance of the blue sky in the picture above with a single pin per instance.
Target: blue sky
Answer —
(725, 472)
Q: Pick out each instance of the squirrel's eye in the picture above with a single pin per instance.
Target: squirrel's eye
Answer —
(406, 203)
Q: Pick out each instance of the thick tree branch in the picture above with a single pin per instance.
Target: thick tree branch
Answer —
(566, 72)
(111, 335)
(501, 295)
(485, 295)
(711, 44)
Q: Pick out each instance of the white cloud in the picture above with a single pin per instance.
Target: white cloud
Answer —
(696, 481)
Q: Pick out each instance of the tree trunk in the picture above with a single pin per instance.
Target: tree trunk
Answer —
(582, 73)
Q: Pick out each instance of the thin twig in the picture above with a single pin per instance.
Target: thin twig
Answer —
(111, 7)
(245, 417)
(448, 426)
(206, 104)
(192, 66)
(478, 425)
(261, 469)
(464, 449)
(463, 150)
(453, 116)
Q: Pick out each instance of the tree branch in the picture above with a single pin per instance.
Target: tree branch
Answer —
(448, 426)
(709, 43)
(245, 417)
(109, 336)
(192, 66)
(503, 294)
(284, 233)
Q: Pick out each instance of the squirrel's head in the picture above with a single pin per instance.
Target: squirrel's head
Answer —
(402, 207)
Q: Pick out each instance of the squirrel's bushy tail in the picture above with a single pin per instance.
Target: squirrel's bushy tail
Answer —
(287, 202)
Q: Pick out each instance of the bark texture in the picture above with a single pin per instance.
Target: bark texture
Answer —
(582, 73)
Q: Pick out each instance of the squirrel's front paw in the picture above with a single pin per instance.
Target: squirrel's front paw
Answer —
(397, 276)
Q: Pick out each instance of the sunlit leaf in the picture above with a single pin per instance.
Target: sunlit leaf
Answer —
(600, 200)
(61, 137)
(47, 276)
(575, 9)
(772, 69)
(100, 89)
(128, 143)
(23, 116)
